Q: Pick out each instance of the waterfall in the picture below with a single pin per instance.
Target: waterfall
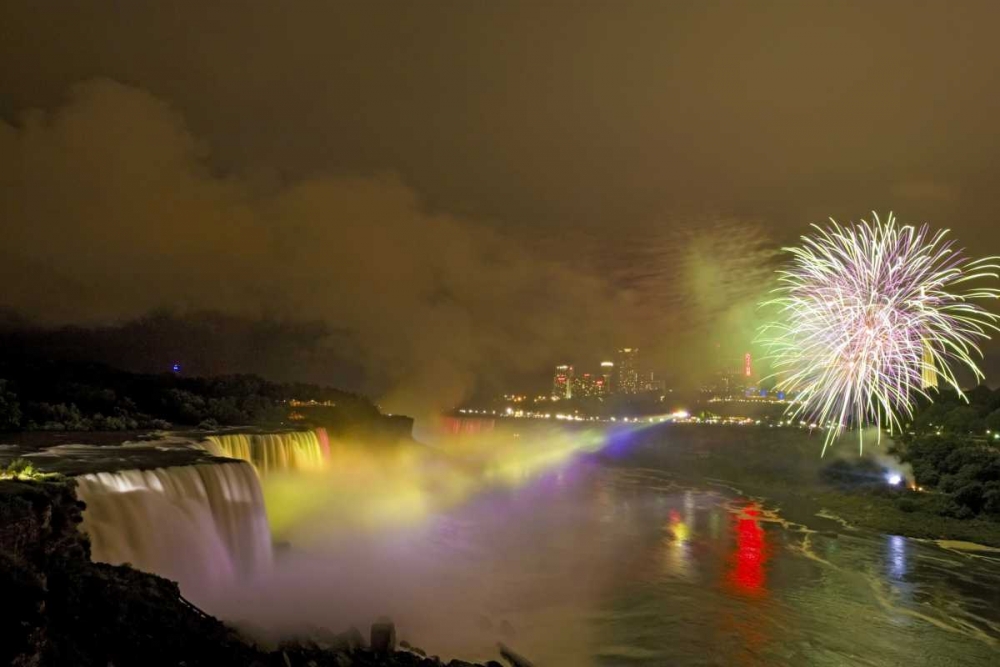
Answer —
(202, 525)
(273, 452)
(468, 425)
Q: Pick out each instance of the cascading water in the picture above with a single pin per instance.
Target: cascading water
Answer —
(468, 425)
(273, 452)
(202, 525)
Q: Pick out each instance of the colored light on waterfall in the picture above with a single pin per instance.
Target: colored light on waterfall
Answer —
(202, 525)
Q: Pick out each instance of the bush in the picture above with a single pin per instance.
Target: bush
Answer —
(20, 469)
(10, 409)
(75, 396)
(960, 466)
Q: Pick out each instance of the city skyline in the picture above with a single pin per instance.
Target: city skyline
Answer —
(623, 376)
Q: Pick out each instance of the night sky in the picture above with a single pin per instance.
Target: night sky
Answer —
(424, 200)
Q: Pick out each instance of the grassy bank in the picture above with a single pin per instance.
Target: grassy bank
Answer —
(785, 466)
(884, 515)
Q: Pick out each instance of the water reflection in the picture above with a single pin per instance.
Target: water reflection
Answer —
(897, 556)
(747, 574)
(678, 547)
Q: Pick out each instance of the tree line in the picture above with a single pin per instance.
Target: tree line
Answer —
(47, 394)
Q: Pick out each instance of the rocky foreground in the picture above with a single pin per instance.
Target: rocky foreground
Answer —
(61, 609)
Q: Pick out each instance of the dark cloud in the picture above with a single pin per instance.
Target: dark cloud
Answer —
(557, 114)
(469, 191)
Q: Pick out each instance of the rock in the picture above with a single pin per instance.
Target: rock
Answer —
(460, 663)
(513, 658)
(383, 636)
(492, 663)
(404, 644)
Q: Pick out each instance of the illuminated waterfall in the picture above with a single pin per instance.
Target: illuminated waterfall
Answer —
(273, 452)
(468, 425)
(202, 525)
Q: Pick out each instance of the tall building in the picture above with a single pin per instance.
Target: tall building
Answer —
(628, 374)
(649, 382)
(587, 385)
(607, 373)
(562, 382)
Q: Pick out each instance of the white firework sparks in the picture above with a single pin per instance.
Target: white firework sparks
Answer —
(870, 316)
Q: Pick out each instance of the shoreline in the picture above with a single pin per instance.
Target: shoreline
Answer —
(883, 516)
(784, 468)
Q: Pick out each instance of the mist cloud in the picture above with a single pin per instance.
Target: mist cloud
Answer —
(114, 212)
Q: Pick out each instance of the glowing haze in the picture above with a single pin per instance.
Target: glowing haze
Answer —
(873, 314)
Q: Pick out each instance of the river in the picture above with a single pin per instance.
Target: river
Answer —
(591, 558)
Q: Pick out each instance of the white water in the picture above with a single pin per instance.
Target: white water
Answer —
(201, 525)
(272, 452)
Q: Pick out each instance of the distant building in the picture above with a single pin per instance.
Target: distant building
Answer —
(587, 385)
(648, 382)
(607, 373)
(733, 377)
(562, 382)
(628, 374)
(607, 377)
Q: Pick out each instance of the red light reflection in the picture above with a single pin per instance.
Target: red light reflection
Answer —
(747, 574)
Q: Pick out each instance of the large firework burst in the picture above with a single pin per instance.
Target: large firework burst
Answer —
(871, 315)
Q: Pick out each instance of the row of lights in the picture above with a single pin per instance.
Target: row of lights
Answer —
(679, 417)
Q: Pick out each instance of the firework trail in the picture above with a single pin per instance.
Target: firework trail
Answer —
(872, 315)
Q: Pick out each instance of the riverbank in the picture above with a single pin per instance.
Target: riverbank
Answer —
(60, 608)
(883, 515)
